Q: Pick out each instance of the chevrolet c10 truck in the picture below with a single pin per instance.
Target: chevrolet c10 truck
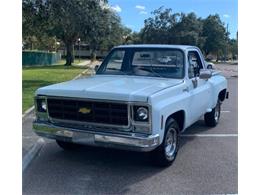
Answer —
(141, 98)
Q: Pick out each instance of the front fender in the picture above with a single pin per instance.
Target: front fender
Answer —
(165, 104)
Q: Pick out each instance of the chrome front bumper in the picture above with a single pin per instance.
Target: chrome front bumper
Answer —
(131, 141)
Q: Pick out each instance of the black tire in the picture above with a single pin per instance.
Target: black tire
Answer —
(159, 155)
(67, 145)
(212, 118)
(209, 66)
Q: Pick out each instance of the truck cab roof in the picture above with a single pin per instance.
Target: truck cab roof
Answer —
(182, 47)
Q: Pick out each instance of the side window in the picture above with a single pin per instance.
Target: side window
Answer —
(116, 61)
(194, 64)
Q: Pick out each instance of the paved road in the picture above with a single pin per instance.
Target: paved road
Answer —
(206, 164)
(228, 70)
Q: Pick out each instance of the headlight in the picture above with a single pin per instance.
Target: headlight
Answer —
(41, 105)
(141, 113)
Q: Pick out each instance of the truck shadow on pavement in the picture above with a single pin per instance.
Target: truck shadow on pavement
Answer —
(88, 169)
(198, 127)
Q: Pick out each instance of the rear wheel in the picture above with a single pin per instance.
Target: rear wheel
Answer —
(209, 66)
(212, 118)
(166, 153)
(67, 145)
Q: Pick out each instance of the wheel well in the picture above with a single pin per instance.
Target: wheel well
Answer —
(179, 117)
(222, 95)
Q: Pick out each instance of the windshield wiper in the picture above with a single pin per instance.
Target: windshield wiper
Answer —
(149, 70)
(152, 68)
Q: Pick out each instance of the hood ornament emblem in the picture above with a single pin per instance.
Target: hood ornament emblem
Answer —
(84, 110)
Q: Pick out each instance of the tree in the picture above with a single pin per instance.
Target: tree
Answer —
(43, 42)
(70, 20)
(27, 18)
(156, 29)
(117, 34)
(35, 23)
(91, 20)
(135, 38)
(172, 28)
(165, 27)
(61, 19)
(187, 30)
(106, 30)
(216, 36)
(233, 48)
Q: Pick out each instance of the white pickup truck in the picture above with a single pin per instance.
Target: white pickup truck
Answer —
(136, 101)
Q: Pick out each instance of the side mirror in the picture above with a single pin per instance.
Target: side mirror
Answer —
(96, 68)
(205, 74)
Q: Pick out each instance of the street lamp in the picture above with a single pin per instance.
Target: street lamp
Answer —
(79, 48)
(57, 45)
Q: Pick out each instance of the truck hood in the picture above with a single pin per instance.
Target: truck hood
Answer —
(110, 87)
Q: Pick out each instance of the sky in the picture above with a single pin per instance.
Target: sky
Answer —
(134, 12)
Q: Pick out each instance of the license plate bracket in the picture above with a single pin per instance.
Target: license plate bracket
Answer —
(83, 138)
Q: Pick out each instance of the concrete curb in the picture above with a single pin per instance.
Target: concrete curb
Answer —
(82, 73)
(32, 153)
(27, 112)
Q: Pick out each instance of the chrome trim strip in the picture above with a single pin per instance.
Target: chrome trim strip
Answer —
(133, 141)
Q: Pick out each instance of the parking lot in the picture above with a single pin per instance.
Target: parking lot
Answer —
(206, 164)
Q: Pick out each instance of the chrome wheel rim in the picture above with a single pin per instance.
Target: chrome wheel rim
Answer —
(170, 143)
(217, 112)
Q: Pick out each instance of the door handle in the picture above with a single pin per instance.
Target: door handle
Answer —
(195, 82)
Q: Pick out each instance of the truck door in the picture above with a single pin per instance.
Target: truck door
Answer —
(198, 89)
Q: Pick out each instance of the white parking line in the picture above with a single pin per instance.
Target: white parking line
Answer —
(225, 111)
(209, 135)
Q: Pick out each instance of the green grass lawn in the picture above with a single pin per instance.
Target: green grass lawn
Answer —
(35, 77)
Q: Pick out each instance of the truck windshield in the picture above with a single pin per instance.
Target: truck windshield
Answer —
(167, 63)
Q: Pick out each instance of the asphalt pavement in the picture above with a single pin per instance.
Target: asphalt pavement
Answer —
(206, 164)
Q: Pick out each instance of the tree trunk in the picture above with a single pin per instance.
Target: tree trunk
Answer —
(93, 55)
(69, 56)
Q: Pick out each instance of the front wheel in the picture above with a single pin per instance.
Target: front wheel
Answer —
(212, 118)
(166, 153)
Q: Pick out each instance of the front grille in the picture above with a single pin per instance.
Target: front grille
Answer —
(95, 112)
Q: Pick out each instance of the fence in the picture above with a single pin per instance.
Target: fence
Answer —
(32, 58)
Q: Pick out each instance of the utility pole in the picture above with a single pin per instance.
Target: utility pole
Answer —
(79, 48)
(226, 49)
